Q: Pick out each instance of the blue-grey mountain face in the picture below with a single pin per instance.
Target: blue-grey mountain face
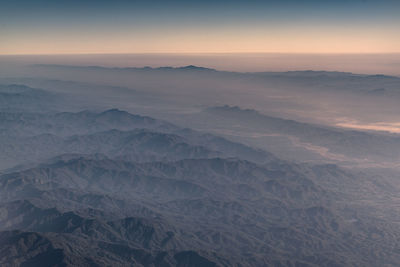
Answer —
(85, 183)
(16, 97)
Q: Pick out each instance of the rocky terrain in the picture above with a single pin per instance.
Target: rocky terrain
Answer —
(103, 186)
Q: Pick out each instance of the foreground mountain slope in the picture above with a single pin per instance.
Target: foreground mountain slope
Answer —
(262, 214)
(111, 188)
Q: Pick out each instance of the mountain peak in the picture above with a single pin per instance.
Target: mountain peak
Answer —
(114, 111)
(193, 67)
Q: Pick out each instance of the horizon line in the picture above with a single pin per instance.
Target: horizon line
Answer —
(205, 53)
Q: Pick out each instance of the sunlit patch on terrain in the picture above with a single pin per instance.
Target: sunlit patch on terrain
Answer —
(392, 127)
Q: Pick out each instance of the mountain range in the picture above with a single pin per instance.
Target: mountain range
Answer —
(113, 188)
(217, 185)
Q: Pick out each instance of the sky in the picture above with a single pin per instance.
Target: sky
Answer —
(219, 26)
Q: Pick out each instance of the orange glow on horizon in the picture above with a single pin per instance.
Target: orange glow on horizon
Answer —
(206, 41)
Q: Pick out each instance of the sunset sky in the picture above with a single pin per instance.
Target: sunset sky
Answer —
(285, 26)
